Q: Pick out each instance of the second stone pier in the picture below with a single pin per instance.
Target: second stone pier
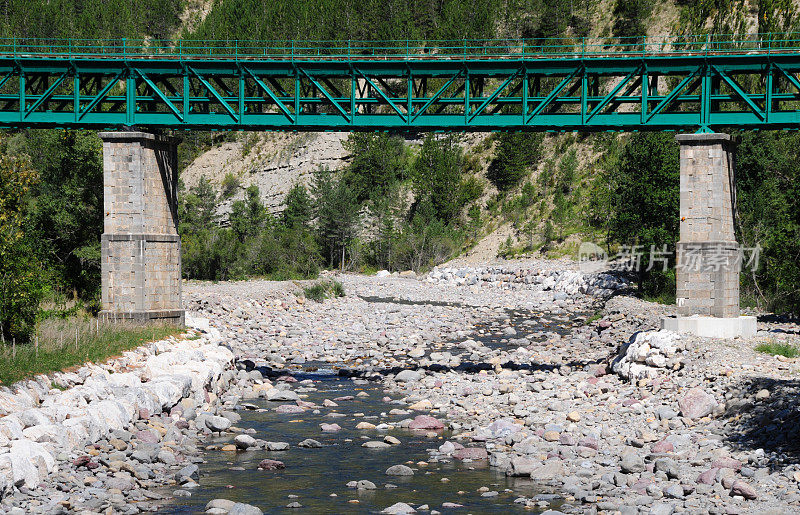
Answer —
(708, 257)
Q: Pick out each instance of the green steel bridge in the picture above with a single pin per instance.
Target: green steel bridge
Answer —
(695, 83)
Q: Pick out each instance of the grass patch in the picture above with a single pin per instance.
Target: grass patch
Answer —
(665, 297)
(74, 341)
(597, 316)
(324, 290)
(779, 349)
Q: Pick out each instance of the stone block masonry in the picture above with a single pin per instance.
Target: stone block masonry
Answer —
(708, 255)
(140, 246)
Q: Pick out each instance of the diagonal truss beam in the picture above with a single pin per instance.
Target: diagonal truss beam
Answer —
(45, 95)
(100, 96)
(214, 93)
(673, 94)
(789, 76)
(8, 76)
(161, 95)
(739, 91)
(383, 95)
(327, 95)
(494, 95)
(552, 95)
(611, 94)
(271, 95)
(438, 94)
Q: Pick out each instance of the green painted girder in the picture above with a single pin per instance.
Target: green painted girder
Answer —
(596, 93)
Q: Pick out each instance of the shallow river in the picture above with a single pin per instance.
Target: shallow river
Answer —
(317, 478)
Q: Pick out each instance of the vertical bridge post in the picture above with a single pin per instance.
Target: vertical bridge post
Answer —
(140, 245)
(708, 257)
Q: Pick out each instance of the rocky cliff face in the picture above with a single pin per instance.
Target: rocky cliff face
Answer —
(274, 162)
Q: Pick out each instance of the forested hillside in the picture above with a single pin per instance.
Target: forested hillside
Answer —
(397, 203)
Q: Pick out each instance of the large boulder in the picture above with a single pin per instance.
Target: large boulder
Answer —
(425, 422)
(697, 403)
(30, 463)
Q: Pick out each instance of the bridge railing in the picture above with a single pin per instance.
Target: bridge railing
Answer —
(717, 44)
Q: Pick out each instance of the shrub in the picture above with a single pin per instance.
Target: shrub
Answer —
(324, 290)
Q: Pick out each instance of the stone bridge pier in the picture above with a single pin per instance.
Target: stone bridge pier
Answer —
(708, 256)
(140, 246)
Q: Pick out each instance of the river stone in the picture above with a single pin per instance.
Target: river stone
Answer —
(741, 488)
(521, 467)
(631, 463)
(215, 423)
(189, 471)
(120, 483)
(407, 376)
(289, 408)
(399, 470)
(727, 463)
(471, 453)
(330, 428)
(244, 509)
(399, 508)
(425, 422)
(365, 485)
(282, 395)
(220, 504)
(697, 403)
(277, 446)
(309, 443)
(244, 442)
(551, 469)
(147, 436)
(271, 465)
(662, 508)
(708, 477)
(374, 444)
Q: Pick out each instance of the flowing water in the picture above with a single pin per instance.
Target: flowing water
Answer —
(317, 478)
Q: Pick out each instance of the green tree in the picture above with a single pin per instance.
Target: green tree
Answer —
(21, 284)
(67, 210)
(378, 162)
(436, 176)
(648, 202)
(768, 201)
(198, 208)
(515, 154)
(337, 214)
(630, 18)
(248, 216)
(298, 209)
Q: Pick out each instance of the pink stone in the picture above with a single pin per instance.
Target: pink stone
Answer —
(741, 488)
(727, 463)
(289, 408)
(147, 436)
(708, 477)
(425, 422)
(662, 447)
(271, 465)
(697, 403)
(471, 453)
(589, 442)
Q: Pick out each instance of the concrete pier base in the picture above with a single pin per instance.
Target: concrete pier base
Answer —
(140, 246)
(708, 257)
(712, 327)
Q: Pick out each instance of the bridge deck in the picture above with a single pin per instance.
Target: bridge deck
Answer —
(646, 84)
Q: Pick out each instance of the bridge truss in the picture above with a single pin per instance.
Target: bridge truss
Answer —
(663, 88)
